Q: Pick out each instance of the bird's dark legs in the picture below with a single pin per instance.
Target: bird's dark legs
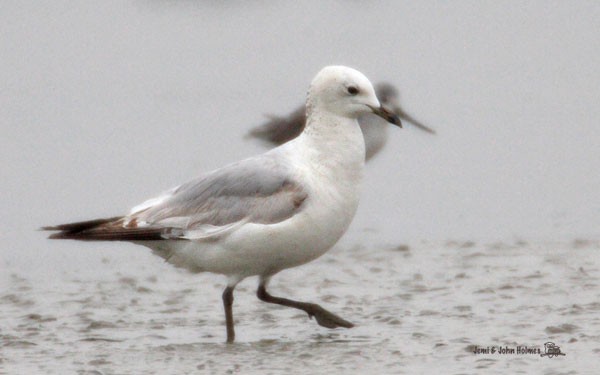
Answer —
(228, 304)
(323, 317)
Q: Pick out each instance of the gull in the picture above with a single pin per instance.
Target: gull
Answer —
(281, 129)
(261, 215)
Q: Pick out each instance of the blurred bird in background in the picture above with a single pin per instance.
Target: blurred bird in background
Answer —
(280, 129)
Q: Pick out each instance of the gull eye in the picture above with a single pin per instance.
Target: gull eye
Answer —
(352, 90)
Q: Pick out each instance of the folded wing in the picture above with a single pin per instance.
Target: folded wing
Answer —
(257, 190)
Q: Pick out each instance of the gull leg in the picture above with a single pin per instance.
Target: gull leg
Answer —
(228, 305)
(323, 317)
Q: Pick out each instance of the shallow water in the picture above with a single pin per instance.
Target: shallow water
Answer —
(416, 308)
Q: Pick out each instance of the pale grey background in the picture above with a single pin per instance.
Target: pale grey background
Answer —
(104, 104)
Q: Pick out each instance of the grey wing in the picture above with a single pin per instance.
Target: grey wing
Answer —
(257, 190)
(389, 97)
(279, 130)
(404, 116)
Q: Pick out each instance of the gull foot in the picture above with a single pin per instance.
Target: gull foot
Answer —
(327, 319)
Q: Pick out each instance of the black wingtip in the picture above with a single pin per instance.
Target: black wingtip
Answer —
(74, 230)
(82, 225)
(110, 229)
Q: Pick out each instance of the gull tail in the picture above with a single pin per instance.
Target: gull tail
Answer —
(110, 229)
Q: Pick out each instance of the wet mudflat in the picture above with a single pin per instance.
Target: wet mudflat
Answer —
(115, 309)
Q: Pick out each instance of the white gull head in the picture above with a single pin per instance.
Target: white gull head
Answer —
(344, 92)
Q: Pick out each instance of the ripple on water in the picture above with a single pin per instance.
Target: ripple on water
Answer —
(17, 300)
(100, 339)
(98, 324)
(463, 308)
(40, 318)
(581, 243)
(99, 362)
(593, 306)
(10, 341)
(563, 328)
